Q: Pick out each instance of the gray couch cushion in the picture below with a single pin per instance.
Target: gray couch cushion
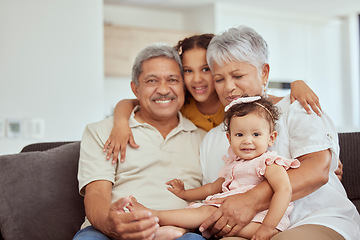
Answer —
(39, 194)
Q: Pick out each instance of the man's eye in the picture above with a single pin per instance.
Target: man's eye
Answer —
(173, 80)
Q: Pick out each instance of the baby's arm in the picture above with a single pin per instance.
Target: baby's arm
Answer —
(279, 181)
(301, 92)
(121, 133)
(176, 186)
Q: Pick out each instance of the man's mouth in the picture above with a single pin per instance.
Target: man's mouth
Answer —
(163, 101)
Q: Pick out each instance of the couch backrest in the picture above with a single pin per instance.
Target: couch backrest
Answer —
(350, 157)
(39, 196)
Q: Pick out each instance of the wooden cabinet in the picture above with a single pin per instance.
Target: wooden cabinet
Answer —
(122, 44)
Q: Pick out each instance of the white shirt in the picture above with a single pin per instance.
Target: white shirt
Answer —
(299, 133)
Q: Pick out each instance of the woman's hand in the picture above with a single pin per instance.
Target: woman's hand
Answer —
(234, 213)
(176, 186)
(301, 92)
(117, 142)
(339, 170)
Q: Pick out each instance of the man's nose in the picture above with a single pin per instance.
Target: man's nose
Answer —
(163, 87)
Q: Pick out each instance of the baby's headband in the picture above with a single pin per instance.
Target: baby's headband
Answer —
(247, 100)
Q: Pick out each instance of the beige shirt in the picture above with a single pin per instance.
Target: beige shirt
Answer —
(146, 169)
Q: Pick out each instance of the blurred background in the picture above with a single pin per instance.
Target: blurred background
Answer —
(66, 63)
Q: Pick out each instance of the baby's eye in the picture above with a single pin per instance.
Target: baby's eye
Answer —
(256, 134)
(239, 134)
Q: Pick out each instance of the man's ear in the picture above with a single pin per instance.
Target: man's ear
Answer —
(273, 136)
(135, 89)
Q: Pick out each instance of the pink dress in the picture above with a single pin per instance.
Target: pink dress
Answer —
(242, 175)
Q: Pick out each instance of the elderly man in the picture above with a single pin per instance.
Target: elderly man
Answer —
(159, 128)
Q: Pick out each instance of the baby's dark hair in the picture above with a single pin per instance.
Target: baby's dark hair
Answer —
(196, 41)
(263, 107)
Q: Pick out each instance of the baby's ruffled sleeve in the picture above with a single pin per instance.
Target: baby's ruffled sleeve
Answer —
(269, 158)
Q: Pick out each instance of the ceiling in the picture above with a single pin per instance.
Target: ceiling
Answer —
(316, 7)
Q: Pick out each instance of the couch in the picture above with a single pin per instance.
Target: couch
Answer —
(39, 196)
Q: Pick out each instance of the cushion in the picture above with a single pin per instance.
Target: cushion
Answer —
(39, 196)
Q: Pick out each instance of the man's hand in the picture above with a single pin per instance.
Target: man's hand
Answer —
(138, 225)
(234, 213)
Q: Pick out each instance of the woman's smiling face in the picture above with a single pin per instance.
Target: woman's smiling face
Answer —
(235, 79)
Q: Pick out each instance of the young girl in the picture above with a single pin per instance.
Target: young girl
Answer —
(250, 127)
(202, 105)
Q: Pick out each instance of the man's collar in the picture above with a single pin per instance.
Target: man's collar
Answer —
(184, 124)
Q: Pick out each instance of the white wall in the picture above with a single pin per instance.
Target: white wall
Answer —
(51, 67)
(320, 50)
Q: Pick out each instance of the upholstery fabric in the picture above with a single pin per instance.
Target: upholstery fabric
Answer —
(350, 157)
(43, 146)
(39, 194)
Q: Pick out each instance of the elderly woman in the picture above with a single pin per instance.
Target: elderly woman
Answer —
(238, 59)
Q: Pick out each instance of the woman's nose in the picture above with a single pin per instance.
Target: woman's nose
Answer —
(229, 85)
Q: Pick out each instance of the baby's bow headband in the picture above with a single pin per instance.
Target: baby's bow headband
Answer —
(247, 100)
(242, 100)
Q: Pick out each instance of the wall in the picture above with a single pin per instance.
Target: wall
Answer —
(51, 67)
(117, 88)
(319, 50)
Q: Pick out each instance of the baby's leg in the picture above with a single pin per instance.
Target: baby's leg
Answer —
(189, 218)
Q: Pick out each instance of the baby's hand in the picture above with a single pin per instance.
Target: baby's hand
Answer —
(264, 233)
(176, 187)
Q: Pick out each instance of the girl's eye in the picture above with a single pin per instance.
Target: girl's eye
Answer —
(239, 134)
(187, 70)
(206, 69)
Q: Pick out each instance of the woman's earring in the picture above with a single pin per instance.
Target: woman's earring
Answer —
(263, 90)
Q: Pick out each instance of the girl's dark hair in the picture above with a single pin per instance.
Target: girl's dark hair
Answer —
(259, 106)
(196, 41)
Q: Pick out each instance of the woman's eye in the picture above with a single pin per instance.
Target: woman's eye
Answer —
(238, 77)
(219, 80)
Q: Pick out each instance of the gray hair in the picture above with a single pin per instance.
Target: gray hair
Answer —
(242, 44)
(153, 51)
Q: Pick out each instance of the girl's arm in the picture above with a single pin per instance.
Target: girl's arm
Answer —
(176, 186)
(280, 183)
(121, 133)
(301, 92)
